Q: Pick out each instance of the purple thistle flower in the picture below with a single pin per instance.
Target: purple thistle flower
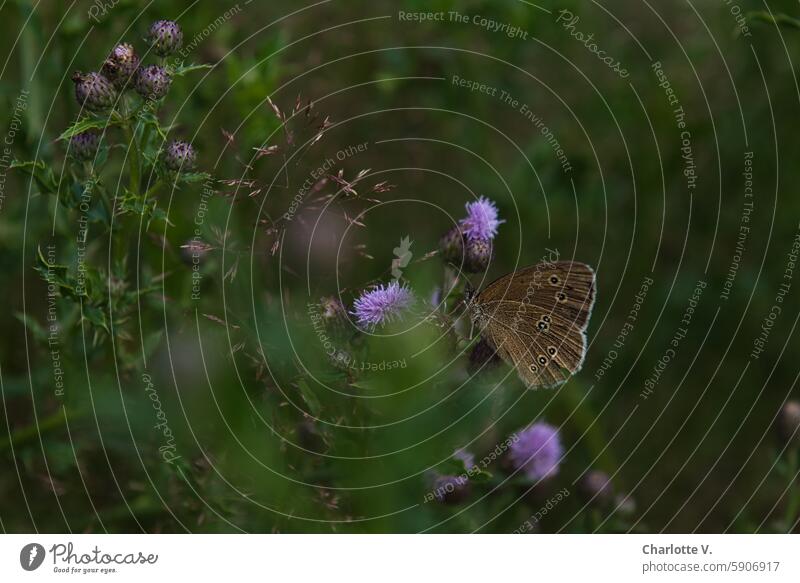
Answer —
(537, 451)
(481, 221)
(382, 304)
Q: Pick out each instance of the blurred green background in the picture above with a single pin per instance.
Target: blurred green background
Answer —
(239, 372)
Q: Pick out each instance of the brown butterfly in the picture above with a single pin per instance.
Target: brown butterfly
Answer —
(536, 319)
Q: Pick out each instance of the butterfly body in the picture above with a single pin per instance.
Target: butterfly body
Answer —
(536, 319)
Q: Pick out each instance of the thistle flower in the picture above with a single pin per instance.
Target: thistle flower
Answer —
(537, 452)
(84, 146)
(451, 489)
(165, 37)
(481, 221)
(596, 488)
(452, 246)
(478, 255)
(382, 305)
(93, 91)
(180, 156)
(788, 425)
(121, 66)
(152, 82)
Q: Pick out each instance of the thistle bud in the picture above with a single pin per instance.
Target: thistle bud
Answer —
(334, 316)
(596, 488)
(451, 489)
(121, 66)
(84, 146)
(788, 425)
(180, 156)
(94, 92)
(478, 255)
(152, 82)
(165, 37)
(625, 504)
(452, 246)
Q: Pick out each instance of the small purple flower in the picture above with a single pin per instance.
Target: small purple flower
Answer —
(382, 304)
(481, 221)
(537, 451)
(451, 489)
(596, 488)
(464, 456)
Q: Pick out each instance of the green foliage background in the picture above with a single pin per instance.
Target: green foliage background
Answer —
(699, 453)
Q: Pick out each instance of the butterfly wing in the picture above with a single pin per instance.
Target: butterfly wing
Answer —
(536, 319)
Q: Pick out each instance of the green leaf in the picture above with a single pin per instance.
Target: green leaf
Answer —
(182, 69)
(40, 172)
(86, 124)
(309, 397)
(33, 326)
(778, 19)
(193, 177)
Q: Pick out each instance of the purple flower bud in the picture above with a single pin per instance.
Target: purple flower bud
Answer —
(382, 305)
(596, 488)
(452, 246)
(788, 424)
(84, 146)
(464, 456)
(152, 82)
(481, 221)
(333, 315)
(180, 156)
(478, 255)
(121, 67)
(537, 451)
(94, 92)
(451, 489)
(165, 37)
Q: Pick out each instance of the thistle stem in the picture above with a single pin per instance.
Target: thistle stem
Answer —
(133, 152)
(793, 493)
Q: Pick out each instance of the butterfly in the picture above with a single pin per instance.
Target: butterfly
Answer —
(536, 318)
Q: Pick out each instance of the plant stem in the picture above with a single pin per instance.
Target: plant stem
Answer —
(793, 493)
(22, 436)
(133, 152)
